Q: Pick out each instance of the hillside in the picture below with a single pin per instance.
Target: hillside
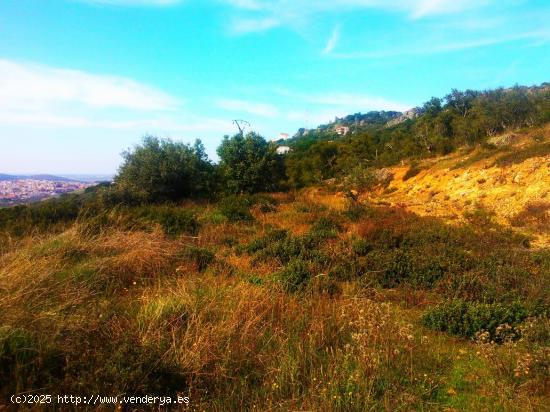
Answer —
(414, 296)
(510, 180)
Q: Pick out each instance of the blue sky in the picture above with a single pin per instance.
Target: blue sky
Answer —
(82, 80)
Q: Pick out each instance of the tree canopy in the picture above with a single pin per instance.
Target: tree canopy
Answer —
(160, 169)
(249, 164)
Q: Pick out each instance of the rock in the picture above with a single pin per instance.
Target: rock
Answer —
(408, 115)
(383, 176)
(503, 140)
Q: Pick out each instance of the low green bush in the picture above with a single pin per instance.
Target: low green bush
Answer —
(281, 245)
(42, 216)
(346, 270)
(295, 276)
(236, 208)
(463, 318)
(355, 211)
(324, 228)
(361, 247)
(199, 256)
(271, 236)
(173, 220)
(24, 363)
(396, 267)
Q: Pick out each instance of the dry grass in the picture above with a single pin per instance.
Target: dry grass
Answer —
(127, 311)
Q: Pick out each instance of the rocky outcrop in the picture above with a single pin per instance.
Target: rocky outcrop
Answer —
(408, 115)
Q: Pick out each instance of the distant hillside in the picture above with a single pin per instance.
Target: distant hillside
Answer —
(439, 127)
(51, 178)
(354, 122)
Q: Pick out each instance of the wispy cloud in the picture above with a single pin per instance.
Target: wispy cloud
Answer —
(541, 36)
(284, 12)
(422, 8)
(24, 85)
(332, 41)
(247, 25)
(34, 95)
(244, 106)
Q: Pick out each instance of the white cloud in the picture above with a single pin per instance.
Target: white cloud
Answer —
(34, 96)
(286, 12)
(332, 41)
(243, 106)
(25, 85)
(247, 25)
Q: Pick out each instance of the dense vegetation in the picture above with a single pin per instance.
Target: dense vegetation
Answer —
(460, 118)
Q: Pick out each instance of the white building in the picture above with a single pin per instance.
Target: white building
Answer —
(341, 130)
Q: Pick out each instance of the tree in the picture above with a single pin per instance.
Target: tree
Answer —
(160, 169)
(250, 164)
(432, 107)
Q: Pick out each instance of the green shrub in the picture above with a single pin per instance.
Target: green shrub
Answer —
(279, 244)
(24, 363)
(346, 270)
(42, 216)
(395, 267)
(264, 203)
(385, 238)
(360, 178)
(354, 211)
(295, 276)
(361, 247)
(199, 256)
(462, 318)
(236, 208)
(271, 236)
(173, 220)
(519, 156)
(324, 228)
(287, 248)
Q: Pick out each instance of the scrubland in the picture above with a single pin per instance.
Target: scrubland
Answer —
(430, 291)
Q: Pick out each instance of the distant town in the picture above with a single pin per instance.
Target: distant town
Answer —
(27, 190)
